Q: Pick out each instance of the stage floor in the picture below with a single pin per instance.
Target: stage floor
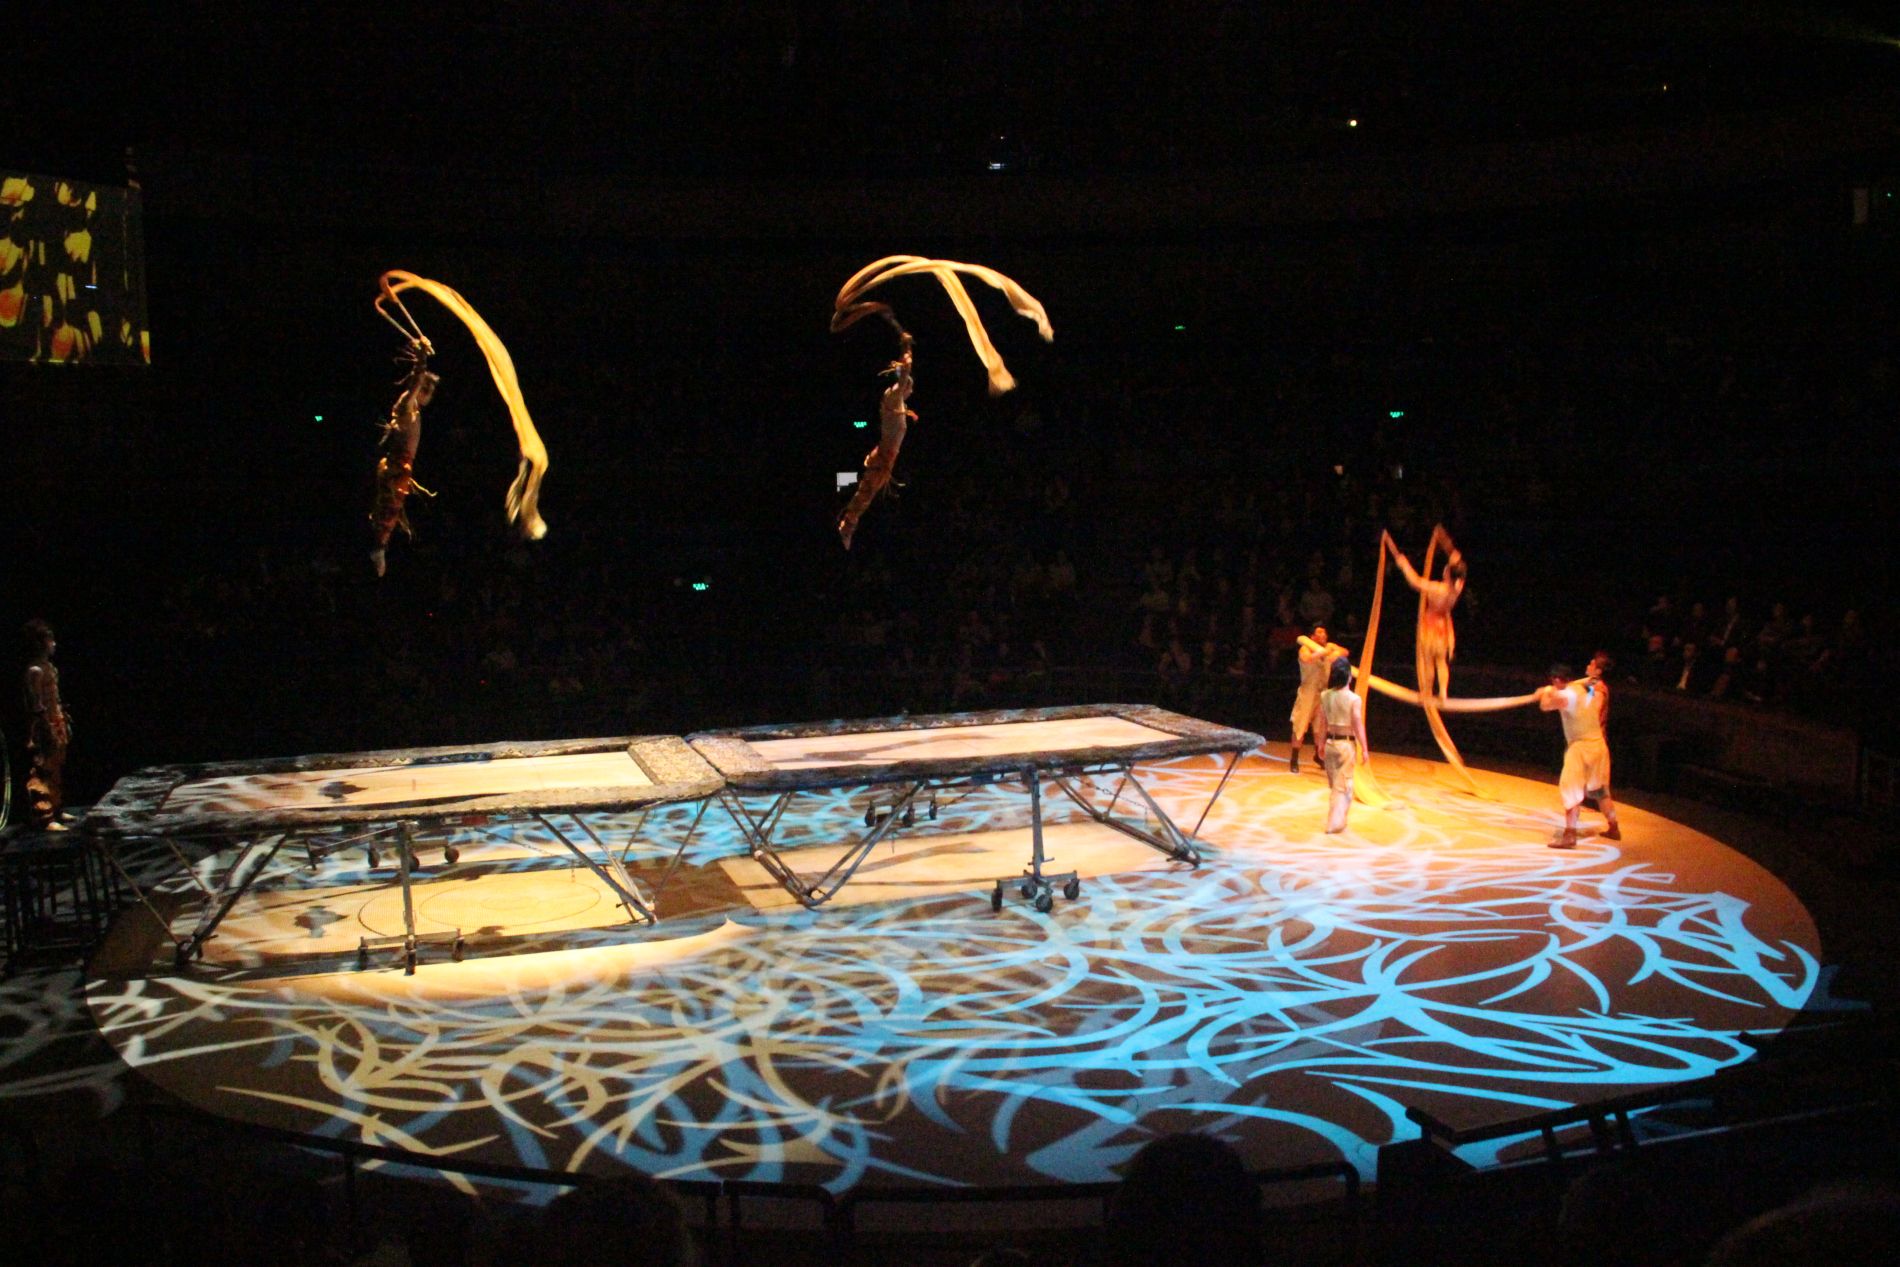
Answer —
(1293, 994)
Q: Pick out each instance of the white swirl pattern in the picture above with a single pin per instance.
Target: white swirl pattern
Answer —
(1292, 994)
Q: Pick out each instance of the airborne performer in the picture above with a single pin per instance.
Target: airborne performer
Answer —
(894, 415)
(893, 419)
(396, 452)
(402, 434)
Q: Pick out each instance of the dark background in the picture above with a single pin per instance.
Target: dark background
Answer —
(1605, 262)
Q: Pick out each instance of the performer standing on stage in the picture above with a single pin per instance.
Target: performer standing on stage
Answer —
(1437, 640)
(1342, 715)
(1316, 657)
(1584, 707)
(49, 730)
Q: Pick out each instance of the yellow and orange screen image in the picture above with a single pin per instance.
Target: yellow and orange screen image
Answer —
(72, 272)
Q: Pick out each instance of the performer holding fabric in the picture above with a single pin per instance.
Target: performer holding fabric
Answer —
(1437, 640)
(1584, 708)
(893, 419)
(1343, 718)
(1317, 656)
(49, 730)
(396, 453)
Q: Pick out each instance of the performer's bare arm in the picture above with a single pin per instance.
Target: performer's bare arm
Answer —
(1412, 577)
(1551, 699)
(1310, 649)
(1359, 729)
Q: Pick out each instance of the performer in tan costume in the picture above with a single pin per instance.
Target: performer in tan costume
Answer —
(893, 419)
(1437, 639)
(1343, 718)
(49, 730)
(1317, 656)
(1583, 707)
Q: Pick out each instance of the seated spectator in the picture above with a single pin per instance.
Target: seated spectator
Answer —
(1655, 669)
(1835, 1226)
(626, 1222)
(1690, 677)
(1185, 1199)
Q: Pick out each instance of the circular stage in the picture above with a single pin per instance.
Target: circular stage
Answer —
(1293, 994)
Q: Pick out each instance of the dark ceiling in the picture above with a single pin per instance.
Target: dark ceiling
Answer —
(730, 88)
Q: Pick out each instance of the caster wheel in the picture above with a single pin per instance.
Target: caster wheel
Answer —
(1072, 890)
(415, 863)
(362, 961)
(933, 811)
(409, 963)
(870, 815)
(910, 816)
(371, 858)
(459, 949)
(996, 898)
(1044, 901)
(1028, 890)
(452, 854)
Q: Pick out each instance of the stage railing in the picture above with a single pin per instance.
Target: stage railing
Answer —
(1857, 1085)
(837, 1214)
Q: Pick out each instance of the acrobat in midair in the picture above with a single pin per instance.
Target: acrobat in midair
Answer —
(894, 415)
(893, 419)
(402, 434)
(396, 451)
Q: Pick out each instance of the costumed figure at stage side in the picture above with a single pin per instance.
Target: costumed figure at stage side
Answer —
(894, 416)
(1437, 640)
(893, 420)
(396, 456)
(1584, 708)
(396, 453)
(1317, 656)
(1342, 715)
(49, 731)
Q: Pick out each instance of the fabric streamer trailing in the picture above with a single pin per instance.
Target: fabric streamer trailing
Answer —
(524, 495)
(894, 415)
(1482, 704)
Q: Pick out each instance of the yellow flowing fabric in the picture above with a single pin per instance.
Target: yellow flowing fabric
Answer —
(851, 305)
(1481, 704)
(1365, 788)
(524, 495)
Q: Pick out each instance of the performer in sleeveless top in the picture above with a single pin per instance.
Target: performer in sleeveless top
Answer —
(1584, 708)
(1316, 657)
(1343, 718)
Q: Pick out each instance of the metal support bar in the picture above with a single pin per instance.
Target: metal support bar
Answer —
(630, 900)
(666, 878)
(237, 881)
(758, 834)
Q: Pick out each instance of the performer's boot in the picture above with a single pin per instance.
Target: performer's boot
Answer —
(1566, 839)
(1613, 832)
(1293, 762)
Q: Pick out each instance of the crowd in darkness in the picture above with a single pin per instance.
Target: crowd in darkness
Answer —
(1017, 565)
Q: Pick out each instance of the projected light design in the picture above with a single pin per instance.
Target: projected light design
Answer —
(1292, 995)
(72, 272)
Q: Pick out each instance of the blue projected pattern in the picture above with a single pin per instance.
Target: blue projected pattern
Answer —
(1292, 995)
